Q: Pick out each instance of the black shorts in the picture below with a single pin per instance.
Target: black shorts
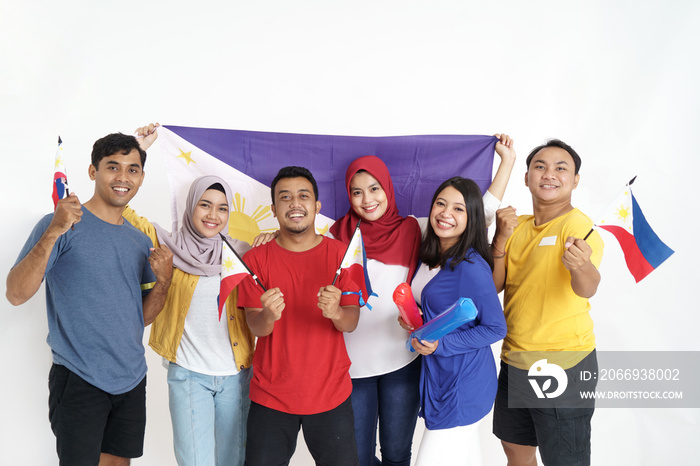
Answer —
(88, 421)
(563, 434)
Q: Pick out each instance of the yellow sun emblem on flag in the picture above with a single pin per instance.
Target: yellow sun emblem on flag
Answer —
(228, 264)
(246, 227)
(623, 213)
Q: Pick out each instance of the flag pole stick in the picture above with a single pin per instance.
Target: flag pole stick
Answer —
(67, 190)
(255, 277)
(337, 273)
(589, 233)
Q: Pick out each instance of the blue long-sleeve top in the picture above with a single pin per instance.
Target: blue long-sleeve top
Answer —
(458, 381)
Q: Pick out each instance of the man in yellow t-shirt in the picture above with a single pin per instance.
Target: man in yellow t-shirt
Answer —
(548, 272)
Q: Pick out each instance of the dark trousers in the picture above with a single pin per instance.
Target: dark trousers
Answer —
(272, 436)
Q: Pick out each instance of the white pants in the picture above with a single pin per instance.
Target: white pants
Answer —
(455, 446)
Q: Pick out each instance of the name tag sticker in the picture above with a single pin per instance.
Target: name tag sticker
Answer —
(548, 241)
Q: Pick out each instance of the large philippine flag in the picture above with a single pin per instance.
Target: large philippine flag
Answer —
(355, 263)
(232, 272)
(249, 160)
(60, 181)
(643, 250)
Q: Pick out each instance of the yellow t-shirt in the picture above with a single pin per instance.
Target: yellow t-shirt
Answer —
(542, 311)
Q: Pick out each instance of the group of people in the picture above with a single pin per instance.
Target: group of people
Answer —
(294, 350)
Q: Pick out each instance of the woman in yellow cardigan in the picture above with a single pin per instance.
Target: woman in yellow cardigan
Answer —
(209, 359)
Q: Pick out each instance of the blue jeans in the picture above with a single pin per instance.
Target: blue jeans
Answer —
(209, 416)
(393, 400)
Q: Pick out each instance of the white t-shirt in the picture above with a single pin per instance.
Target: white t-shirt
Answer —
(378, 344)
(205, 346)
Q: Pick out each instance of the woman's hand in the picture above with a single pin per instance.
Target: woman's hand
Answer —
(424, 347)
(404, 325)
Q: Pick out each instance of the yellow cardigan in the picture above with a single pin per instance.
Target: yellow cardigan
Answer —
(167, 328)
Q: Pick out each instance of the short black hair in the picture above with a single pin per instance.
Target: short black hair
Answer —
(293, 172)
(561, 145)
(116, 143)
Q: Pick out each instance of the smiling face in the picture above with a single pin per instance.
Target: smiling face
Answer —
(367, 197)
(551, 176)
(117, 178)
(210, 215)
(448, 217)
(295, 205)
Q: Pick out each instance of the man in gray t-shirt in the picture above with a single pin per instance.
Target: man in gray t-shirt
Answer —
(103, 285)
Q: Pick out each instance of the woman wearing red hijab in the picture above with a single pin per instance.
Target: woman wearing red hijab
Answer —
(385, 375)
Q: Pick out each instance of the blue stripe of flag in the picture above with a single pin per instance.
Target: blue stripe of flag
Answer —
(653, 249)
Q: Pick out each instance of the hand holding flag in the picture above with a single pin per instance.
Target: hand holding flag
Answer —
(643, 250)
(146, 135)
(67, 213)
(329, 302)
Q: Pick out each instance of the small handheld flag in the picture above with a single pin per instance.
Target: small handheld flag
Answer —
(233, 270)
(60, 181)
(355, 262)
(643, 249)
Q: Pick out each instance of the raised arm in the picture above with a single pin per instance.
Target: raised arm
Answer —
(25, 278)
(505, 150)
(506, 221)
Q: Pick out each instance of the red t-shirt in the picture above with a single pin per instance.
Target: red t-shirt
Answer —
(302, 366)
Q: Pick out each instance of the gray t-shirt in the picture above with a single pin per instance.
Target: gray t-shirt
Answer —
(96, 277)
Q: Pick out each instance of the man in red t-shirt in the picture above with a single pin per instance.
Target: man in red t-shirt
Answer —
(300, 375)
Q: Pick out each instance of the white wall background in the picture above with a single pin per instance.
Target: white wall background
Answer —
(616, 79)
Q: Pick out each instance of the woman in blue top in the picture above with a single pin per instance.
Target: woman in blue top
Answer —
(458, 377)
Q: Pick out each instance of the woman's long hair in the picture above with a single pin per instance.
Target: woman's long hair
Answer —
(474, 235)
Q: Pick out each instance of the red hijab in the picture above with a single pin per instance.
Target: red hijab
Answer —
(393, 239)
